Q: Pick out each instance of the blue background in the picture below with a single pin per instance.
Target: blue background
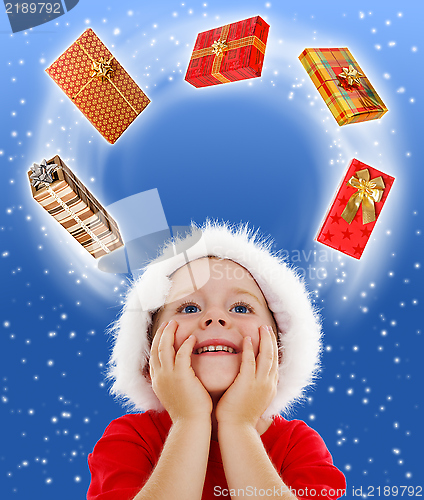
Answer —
(265, 151)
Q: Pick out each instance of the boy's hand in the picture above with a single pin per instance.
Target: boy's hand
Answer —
(255, 386)
(173, 379)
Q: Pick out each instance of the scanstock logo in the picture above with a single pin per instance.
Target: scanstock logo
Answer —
(145, 231)
(26, 15)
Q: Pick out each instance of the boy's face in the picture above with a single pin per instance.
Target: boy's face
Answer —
(229, 307)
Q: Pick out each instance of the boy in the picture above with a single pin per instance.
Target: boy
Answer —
(213, 344)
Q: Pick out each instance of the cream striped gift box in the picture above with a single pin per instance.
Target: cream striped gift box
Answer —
(65, 198)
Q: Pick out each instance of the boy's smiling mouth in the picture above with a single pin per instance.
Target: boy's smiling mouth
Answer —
(215, 346)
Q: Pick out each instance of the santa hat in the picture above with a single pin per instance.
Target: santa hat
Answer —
(298, 323)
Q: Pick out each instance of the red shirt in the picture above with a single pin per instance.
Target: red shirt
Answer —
(124, 457)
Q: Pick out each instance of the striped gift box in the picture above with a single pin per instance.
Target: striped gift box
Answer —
(343, 85)
(229, 53)
(76, 209)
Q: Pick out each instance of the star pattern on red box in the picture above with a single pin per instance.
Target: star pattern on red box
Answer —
(335, 232)
(327, 236)
(336, 218)
(347, 234)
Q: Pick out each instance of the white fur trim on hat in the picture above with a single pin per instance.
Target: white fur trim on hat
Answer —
(298, 323)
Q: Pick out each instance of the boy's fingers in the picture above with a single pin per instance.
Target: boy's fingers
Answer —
(267, 353)
(183, 356)
(275, 361)
(154, 359)
(166, 351)
(248, 362)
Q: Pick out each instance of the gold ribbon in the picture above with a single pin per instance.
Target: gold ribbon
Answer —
(368, 192)
(220, 46)
(103, 71)
(351, 77)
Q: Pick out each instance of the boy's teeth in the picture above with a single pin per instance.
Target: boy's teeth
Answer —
(214, 348)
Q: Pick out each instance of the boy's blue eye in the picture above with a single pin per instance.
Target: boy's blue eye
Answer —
(240, 309)
(190, 309)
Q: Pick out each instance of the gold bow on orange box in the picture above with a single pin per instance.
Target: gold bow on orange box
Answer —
(368, 192)
(350, 80)
(350, 75)
(220, 46)
(102, 70)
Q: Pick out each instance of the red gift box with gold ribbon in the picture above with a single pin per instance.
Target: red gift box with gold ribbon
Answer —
(353, 214)
(98, 85)
(229, 53)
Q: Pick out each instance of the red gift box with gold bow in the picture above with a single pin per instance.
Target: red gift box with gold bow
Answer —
(98, 85)
(229, 53)
(350, 221)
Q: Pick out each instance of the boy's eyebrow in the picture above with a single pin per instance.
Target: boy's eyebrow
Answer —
(243, 291)
(181, 294)
(190, 290)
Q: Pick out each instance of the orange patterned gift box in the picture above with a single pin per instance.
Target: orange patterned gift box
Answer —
(98, 85)
(357, 205)
(229, 53)
(343, 85)
(57, 189)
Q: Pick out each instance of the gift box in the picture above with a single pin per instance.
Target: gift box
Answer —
(229, 53)
(98, 85)
(343, 85)
(350, 221)
(65, 198)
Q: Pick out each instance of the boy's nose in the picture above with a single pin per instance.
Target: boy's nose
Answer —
(214, 317)
(210, 321)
